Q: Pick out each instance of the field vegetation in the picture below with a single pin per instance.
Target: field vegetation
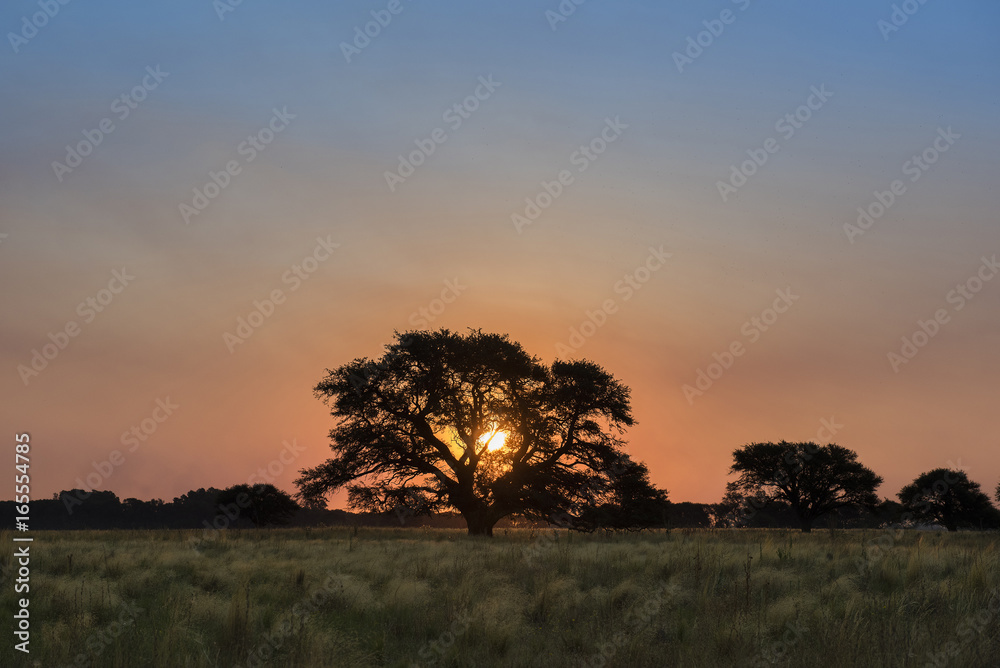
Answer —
(422, 597)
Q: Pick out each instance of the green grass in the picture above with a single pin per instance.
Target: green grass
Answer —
(380, 597)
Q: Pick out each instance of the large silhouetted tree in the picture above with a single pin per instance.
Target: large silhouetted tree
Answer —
(814, 480)
(949, 498)
(413, 431)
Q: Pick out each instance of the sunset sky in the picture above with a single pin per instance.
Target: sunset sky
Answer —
(653, 136)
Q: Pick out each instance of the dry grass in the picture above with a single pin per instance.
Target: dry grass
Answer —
(437, 597)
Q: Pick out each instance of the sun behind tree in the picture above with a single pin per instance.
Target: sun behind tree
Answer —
(473, 423)
(494, 440)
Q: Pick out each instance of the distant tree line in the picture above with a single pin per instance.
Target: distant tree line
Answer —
(809, 494)
(243, 505)
(235, 507)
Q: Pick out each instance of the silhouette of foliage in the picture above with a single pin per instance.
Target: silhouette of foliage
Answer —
(263, 504)
(812, 480)
(949, 498)
(412, 427)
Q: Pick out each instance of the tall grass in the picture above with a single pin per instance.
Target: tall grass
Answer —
(405, 597)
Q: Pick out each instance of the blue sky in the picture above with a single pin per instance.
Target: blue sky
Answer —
(657, 185)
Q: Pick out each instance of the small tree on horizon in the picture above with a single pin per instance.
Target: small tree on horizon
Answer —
(263, 503)
(949, 498)
(813, 480)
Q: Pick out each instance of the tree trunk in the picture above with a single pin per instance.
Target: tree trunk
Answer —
(480, 521)
(806, 523)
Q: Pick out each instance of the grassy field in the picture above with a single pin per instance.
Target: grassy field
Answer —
(377, 597)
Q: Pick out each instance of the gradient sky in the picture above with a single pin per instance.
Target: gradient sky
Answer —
(656, 185)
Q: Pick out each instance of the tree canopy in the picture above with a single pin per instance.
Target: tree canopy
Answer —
(418, 429)
(813, 480)
(263, 503)
(949, 498)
